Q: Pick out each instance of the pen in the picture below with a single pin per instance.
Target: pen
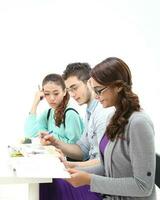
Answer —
(42, 135)
(50, 132)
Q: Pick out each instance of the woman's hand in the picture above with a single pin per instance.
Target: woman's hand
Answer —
(38, 97)
(78, 178)
(69, 164)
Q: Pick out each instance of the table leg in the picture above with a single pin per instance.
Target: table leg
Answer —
(33, 191)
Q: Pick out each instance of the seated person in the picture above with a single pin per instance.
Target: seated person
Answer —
(127, 150)
(76, 78)
(61, 120)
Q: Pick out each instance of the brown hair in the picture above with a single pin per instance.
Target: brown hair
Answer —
(80, 70)
(114, 72)
(59, 111)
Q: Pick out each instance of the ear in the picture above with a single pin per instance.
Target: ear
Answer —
(117, 89)
(65, 91)
(89, 84)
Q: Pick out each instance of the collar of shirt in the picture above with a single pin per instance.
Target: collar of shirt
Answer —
(91, 107)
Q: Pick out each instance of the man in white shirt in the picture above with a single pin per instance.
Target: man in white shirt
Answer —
(76, 76)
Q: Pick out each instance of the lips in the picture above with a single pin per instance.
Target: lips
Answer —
(52, 104)
(77, 99)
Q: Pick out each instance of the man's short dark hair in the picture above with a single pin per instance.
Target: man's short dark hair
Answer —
(80, 70)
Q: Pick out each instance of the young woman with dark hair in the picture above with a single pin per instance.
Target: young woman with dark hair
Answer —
(127, 154)
(61, 119)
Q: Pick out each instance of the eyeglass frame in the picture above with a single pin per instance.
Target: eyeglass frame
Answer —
(74, 87)
(100, 91)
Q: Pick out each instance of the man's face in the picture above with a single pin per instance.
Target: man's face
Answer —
(78, 90)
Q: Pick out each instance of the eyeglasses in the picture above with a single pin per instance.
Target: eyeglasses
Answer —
(74, 88)
(99, 92)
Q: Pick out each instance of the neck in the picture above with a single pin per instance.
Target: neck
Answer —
(91, 97)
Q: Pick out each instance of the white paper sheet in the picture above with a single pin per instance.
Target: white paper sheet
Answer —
(38, 161)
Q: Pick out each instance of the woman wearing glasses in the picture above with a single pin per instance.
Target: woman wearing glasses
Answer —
(61, 120)
(127, 168)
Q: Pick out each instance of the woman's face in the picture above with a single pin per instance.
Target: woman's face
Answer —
(105, 94)
(54, 94)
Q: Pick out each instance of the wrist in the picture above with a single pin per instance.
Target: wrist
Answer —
(33, 109)
(35, 104)
(56, 143)
(89, 179)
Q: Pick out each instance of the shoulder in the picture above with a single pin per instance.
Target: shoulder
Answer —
(140, 122)
(47, 113)
(70, 111)
(140, 117)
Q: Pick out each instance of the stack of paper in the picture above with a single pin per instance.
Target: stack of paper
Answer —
(37, 149)
(38, 161)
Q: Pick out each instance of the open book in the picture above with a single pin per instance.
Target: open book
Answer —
(38, 161)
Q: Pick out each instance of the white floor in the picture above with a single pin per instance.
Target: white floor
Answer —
(19, 192)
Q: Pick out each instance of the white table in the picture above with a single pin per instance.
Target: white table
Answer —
(50, 167)
(7, 177)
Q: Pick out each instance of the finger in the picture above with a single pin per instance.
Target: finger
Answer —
(60, 152)
(42, 133)
(72, 170)
(39, 88)
(45, 142)
(48, 137)
(42, 141)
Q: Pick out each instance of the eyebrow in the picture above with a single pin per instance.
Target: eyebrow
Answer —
(72, 86)
(50, 91)
(97, 87)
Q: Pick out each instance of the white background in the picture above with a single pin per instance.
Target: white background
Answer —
(38, 37)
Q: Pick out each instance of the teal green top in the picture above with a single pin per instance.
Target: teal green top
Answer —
(69, 134)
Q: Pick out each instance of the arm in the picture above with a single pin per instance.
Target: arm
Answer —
(80, 178)
(31, 127)
(71, 150)
(38, 96)
(82, 164)
(142, 156)
(88, 163)
(35, 124)
(93, 132)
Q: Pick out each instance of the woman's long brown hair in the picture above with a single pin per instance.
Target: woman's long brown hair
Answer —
(59, 111)
(114, 72)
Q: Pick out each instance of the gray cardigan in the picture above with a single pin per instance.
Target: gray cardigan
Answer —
(128, 169)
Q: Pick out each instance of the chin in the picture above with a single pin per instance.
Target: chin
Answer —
(80, 103)
(105, 105)
(53, 106)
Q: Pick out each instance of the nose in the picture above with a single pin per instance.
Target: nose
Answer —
(52, 97)
(96, 96)
(72, 94)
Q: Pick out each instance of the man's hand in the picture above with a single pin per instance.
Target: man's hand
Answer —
(78, 178)
(47, 139)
